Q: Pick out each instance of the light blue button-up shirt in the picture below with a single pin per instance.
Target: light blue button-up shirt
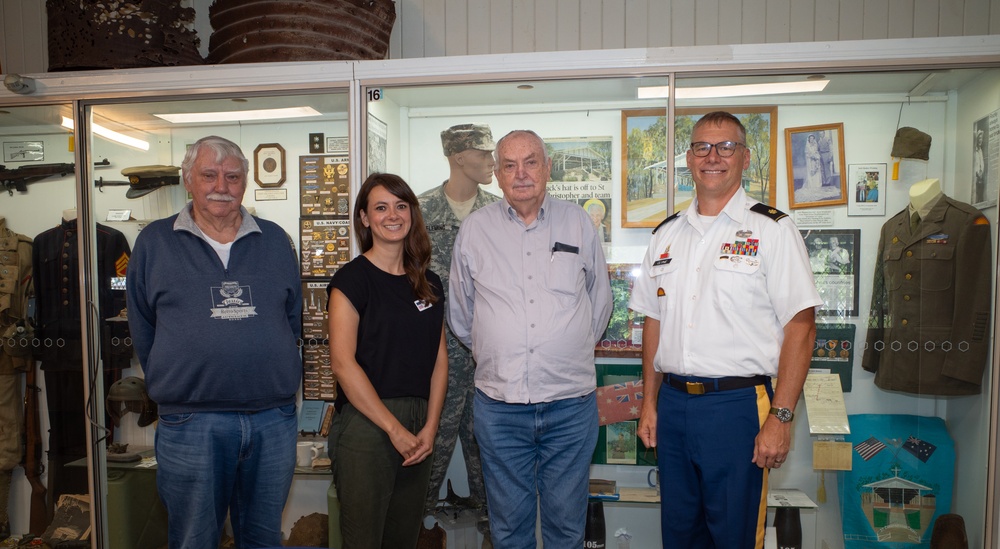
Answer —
(530, 301)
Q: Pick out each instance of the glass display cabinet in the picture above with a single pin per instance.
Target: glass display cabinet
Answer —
(823, 121)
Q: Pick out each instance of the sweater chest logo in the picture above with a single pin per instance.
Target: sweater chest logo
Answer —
(232, 301)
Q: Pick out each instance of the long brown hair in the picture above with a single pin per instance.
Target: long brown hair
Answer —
(416, 245)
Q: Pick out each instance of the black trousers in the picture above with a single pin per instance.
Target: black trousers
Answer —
(68, 431)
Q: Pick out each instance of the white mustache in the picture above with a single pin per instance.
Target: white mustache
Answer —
(218, 197)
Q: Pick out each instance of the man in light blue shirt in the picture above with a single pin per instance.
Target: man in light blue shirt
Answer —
(530, 296)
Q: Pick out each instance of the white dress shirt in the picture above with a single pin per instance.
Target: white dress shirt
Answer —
(723, 291)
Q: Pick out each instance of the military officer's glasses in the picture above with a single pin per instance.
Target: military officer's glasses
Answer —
(724, 148)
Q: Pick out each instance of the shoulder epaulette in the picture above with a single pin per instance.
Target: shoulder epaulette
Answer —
(974, 212)
(665, 221)
(768, 211)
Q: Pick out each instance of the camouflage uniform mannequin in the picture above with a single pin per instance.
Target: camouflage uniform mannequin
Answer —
(469, 150)
(15, 357)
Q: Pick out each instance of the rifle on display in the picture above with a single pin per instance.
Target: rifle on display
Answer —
(33, 453)
(18, 179)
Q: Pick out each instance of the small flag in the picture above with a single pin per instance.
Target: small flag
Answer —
(921, 449)
(619, 402)
(869, 448)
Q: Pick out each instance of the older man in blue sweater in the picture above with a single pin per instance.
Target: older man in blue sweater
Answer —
(214, 299)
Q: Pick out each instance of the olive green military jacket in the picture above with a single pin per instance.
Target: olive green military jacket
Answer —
(928, 330)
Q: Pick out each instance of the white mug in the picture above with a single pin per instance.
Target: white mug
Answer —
(319, 450)
(304, 454)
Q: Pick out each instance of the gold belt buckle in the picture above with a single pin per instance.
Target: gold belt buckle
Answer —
(695, 388)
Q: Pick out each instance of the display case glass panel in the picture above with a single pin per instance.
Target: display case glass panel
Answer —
(824, 151)
(42, 335)
(297, 148)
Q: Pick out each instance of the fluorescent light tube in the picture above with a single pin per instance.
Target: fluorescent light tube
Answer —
(238, 116)
(110, 135)
(737, 90)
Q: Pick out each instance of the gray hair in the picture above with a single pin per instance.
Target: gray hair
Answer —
(223, 149)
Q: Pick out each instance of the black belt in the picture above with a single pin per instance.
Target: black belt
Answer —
(703, 386)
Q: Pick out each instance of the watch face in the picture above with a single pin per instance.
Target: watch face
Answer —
(784, 415)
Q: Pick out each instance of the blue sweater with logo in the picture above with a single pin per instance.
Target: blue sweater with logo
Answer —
(212, 338)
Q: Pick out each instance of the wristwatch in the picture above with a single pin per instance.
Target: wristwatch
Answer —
(784, 415)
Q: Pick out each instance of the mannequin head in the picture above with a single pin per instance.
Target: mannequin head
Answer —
(924, 192)
(469, 148)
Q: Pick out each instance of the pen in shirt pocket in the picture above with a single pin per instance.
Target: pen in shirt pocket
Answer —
(560, 247)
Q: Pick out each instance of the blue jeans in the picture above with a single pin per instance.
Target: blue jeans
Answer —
(532, 451)
(211, 463)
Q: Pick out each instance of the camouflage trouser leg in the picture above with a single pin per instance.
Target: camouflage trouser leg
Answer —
(456, 422)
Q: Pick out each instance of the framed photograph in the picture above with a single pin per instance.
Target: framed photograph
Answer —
(644, 167)
(645, 162)
(377, 139)
(985, 163)
(623, 336)
(621, 443)
(833, 255)
(815, 158)
(269, 165)
(867, 187)
(581, 173)
(23, 151)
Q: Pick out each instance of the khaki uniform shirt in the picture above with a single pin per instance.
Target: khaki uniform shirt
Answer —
(15, 352)
(15, 287)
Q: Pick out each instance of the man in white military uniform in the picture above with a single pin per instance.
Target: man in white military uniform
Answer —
(727, 289)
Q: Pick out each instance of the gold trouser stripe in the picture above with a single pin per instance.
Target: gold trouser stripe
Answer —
(763, 409)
